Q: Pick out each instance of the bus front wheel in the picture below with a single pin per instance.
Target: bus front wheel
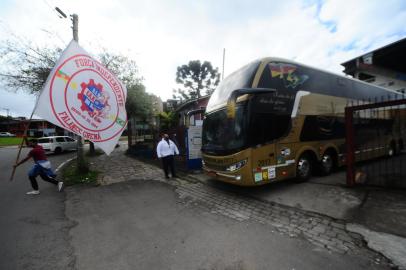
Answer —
(303, 168)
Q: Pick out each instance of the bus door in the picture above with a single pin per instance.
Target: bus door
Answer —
(268, 127)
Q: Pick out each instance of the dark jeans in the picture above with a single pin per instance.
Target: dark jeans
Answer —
(168, 162)
(38, 170)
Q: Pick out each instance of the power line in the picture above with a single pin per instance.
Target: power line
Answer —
(53, 9)
(60, 15)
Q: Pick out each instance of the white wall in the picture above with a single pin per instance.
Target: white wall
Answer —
(384, 77)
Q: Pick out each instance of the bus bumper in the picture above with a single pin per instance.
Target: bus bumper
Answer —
(228, 177)
(239, 179)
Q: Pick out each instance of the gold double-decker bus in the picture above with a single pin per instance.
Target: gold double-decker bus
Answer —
(275, 119)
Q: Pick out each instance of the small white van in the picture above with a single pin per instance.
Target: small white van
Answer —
(57, 144)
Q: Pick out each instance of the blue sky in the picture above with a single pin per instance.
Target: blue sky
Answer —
(161, 35)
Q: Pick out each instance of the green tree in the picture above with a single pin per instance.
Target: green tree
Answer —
(196, 78)
(26, 67)
(29, 67)
(168, 120)
(5, 118)
(123, 67)
(138, 101)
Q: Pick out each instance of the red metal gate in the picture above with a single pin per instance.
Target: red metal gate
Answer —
(375, 137)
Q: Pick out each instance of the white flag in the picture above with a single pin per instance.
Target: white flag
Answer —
(82, 96)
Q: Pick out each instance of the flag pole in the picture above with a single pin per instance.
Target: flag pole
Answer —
(22, 142)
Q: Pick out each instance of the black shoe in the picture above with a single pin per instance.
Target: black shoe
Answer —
(174, 176)
(167, 177)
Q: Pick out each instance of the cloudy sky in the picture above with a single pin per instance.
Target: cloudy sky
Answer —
(162, 34)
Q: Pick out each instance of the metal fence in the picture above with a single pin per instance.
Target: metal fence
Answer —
(375, 138)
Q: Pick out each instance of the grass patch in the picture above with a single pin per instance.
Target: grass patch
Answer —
(97, 152)
(72, 177)
(8, 141)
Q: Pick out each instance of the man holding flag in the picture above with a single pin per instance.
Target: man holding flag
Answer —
(42, 167)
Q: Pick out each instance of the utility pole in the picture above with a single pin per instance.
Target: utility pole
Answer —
(81, 161)
(82, 166)
(75, 27)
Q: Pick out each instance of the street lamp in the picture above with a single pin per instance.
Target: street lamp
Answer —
(60, 12)
(75, 23)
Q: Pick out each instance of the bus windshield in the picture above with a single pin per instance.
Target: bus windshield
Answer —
(222, 135)
(241, 78)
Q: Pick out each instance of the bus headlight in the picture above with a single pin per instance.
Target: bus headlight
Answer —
(236, 166)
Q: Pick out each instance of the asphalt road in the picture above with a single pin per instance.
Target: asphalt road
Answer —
(33, 229)
(138, 225)
(145, 225)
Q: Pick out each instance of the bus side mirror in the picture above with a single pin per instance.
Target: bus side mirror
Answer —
(232, 100)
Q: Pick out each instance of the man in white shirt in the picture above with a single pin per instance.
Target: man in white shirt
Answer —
(165, 150)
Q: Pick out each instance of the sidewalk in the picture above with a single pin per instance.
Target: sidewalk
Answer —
(119, 167)
(379, 215)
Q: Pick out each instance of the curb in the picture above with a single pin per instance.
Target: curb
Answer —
(388, 245)
(63, 164)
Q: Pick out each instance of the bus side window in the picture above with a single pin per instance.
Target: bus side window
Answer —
(316, 128)
(267, 127)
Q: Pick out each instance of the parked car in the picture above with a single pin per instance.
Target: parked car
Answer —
(57, 144)
(6, 134)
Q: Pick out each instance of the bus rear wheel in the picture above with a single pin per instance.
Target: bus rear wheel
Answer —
(303, 168)
(327, 163)
(392, 149)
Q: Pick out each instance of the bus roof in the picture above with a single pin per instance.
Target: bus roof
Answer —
(277, 59)
(249, 75)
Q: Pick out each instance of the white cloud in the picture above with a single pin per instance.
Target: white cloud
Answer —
(161, 35)
(365, 22)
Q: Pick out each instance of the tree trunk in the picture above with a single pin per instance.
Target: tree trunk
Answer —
(82, 165)
(129, 134)
(91, 148)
